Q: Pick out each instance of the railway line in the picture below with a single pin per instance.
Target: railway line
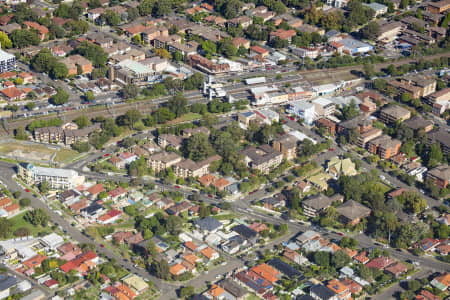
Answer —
(146, 106)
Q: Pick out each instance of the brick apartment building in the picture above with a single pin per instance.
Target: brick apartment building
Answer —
(384, 146)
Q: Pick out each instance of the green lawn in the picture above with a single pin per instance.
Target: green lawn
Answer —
(252, 297)
(383, 187)
(65, 155)
(18, 222)
(185, 118)
(224, 217)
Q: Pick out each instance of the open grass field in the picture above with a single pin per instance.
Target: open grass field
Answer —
(36, 152)
(65, 155)
(186, 118)
(19, 222)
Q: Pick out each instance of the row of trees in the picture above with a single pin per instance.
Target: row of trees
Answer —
(45, 62)
(169, 85)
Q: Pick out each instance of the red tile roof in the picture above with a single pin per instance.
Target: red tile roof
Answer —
(12, 92)
(380, 262)
(117, 192)
(51, 282)
(259, 49)
(35, 261)
(94, 190)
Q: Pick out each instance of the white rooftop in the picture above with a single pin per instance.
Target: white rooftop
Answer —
(5, 55)
(135, 66)
(26, 252)
(263, 89)
(255, 80)
(301, 104)
(341, 101)
(298, 89)
(325, 88)
(301, 136)
(322, 101)
(42, 171)
(52, 239)
(268, 113)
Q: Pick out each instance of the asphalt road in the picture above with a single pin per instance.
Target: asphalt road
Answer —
(6, 174)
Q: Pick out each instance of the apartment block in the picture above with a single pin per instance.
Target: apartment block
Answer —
(287, 145)
(384, 146)
(440, 176)
(394, 113)
(7, 62)
(367, 136)
(163, 160)
(188, 168)
(262, 158)
(440, 136)
(173, 141)
(57, 178)
(330, 126)
(68, 137)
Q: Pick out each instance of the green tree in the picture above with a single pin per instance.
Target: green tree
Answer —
(82, 121)
(209, 47)
(58, 71)
(81, 146)
(133, 116)
(25, 202)
(162, 8)
(43, 61)
(60, 98)
(340, 259)
(21, 134)
(371, 31)
(178, 105)
(177, 56)
(93, 52)
(110, 17)
(37, 217)
(174, 224)
(350, 111)
(231, 9)
(130, 91)
(137, 39)
(130, 210)
(133, 14)
(194, 82)
(30, 105)
(187, 291)
(89, 96)
(348, 242)
(161, 269)
(22, 38)
(322, 258)
(197, 147)
(44, 187)
(146, 7)
(227, 48)
(5, 41)
(6, 225)
(369, 71)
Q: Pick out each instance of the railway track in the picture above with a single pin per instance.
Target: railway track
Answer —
(146, 106)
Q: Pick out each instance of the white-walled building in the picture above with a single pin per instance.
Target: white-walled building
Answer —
(57, 178)
(324, 107)
(303, 110)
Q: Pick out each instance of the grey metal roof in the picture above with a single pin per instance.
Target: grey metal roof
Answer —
(208, 223)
